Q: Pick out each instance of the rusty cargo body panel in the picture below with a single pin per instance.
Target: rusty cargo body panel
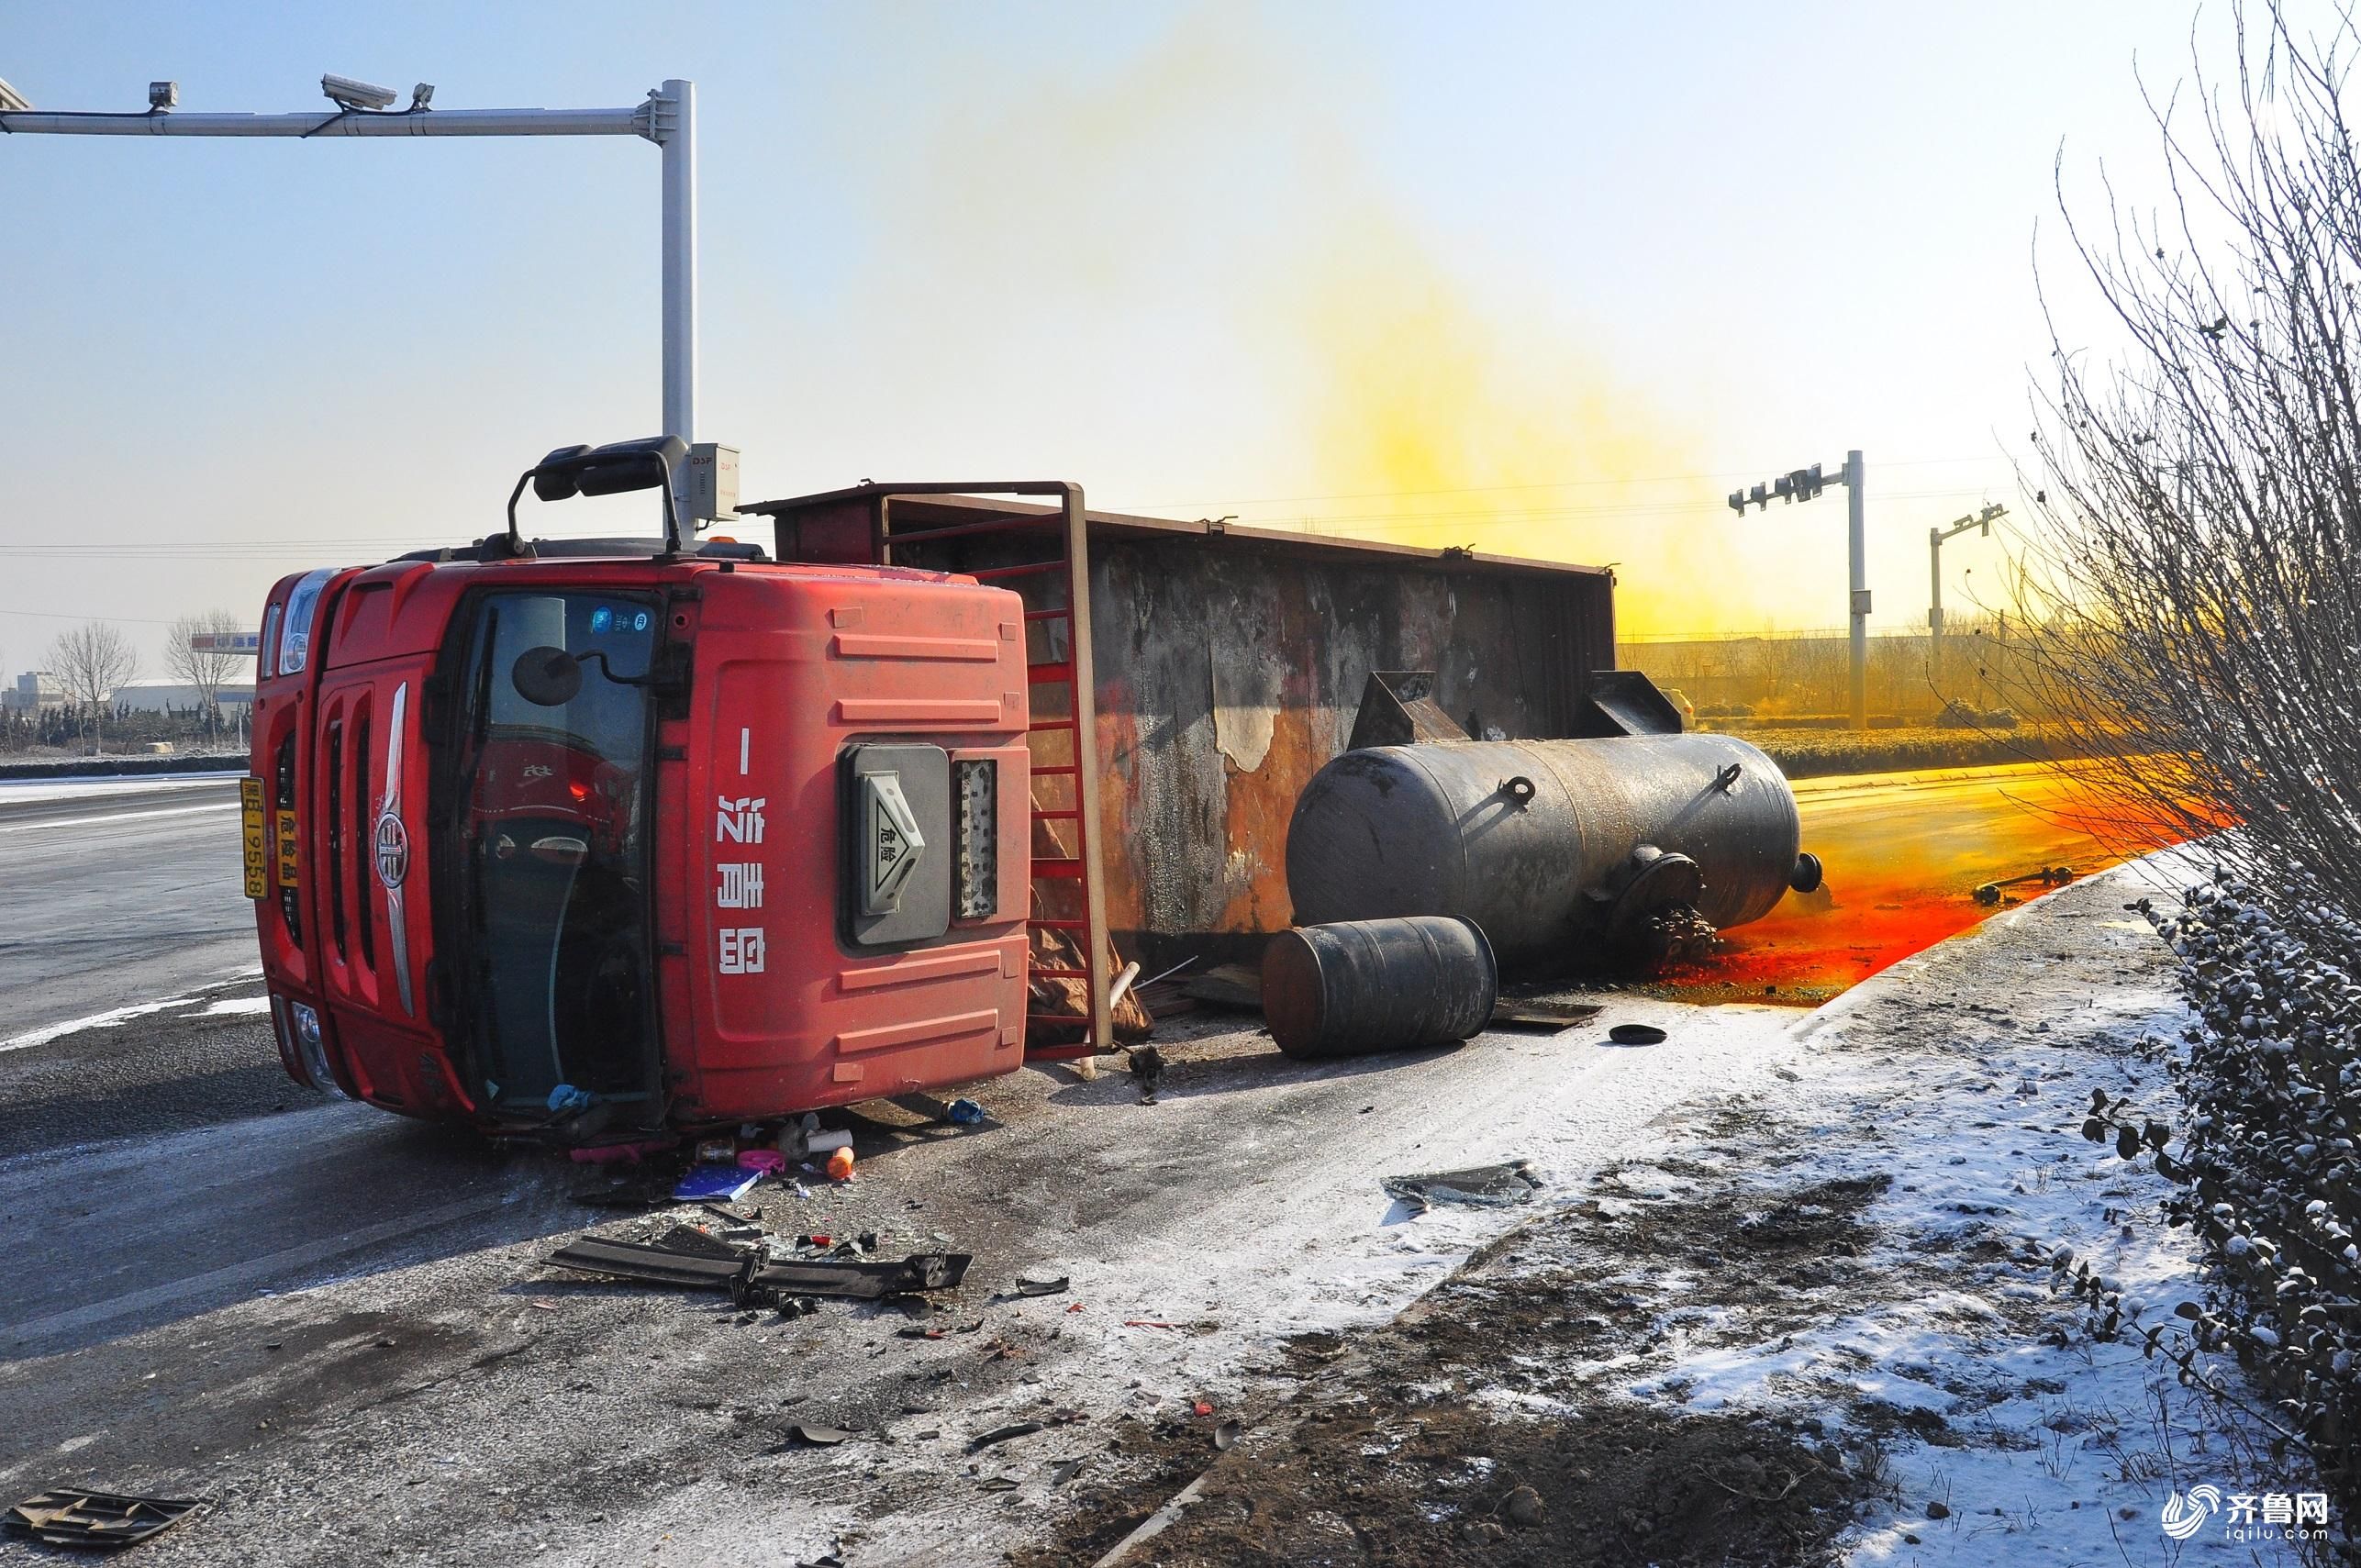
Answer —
(1229, 664)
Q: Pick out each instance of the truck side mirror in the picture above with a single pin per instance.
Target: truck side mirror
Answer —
(546, 677)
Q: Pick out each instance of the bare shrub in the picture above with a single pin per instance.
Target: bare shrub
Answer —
(89, 663)
(2193, 593)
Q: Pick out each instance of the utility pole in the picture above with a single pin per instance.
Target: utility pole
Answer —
(1934, 542)
(667, 117)
(1803, 484)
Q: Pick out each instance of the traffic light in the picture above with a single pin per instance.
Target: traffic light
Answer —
(1795, 485)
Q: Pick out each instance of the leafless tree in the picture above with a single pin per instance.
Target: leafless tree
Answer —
(89, 663)
(2192, 600)
(2193, 604)
(206, 670)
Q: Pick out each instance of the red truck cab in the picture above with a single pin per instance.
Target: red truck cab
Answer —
(606, 839)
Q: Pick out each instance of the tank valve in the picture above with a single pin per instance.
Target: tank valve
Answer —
(1805, 877)
(1519, 791)
(1727, 779)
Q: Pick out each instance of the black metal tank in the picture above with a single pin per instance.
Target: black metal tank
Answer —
(1370, 985)
(1557, 849)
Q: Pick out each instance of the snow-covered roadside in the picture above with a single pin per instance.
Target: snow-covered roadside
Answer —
(1964, 1388)
(1812, 1320)
(26, 792)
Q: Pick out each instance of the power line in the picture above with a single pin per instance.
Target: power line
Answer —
(1551, 484)
(59, 614)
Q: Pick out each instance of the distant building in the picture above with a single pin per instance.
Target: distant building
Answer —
(36, 691)
(179, 697)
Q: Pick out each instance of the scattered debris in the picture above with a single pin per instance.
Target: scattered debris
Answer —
(1002, 1434)
(1525, 1508)
(690, 1260)
(1147, 1065)
(1060, 989)
(1486, 1187)
(1066, 1470)
(1115, 993)
(107, 1521)
(761, 1162)
(648, 1265)
(726, 1184)
(997, 1484)
(1234, 985)
(1636, 1034)
(859, 1279)
(1041, 1287)
(2045, 876)
(1546, 1017)
(699, 1242)
(964, 1113)
(820, 1437)
(839, 1165)
(1226, 1435)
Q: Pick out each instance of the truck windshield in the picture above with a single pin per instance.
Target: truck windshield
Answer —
(552, 851)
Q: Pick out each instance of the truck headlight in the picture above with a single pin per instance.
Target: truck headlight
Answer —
(313, 1051)
(303, 609)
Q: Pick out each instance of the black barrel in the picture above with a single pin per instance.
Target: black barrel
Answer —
(1362, 987)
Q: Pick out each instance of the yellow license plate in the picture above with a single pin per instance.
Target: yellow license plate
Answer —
(290, 864)
(250, 814)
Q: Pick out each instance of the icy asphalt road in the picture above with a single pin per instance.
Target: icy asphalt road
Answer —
(110, 896)
(337, 1324)
(116, 894)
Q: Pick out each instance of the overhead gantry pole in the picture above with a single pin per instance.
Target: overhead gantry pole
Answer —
(667, 117)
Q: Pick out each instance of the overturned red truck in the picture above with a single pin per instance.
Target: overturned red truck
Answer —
(587, 840)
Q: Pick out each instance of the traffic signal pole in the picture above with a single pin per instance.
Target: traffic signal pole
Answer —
(1856, 548)
(1805, 484)
(1934, 542)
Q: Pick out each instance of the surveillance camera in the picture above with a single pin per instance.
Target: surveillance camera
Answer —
(163, 96)
(347, 93)
(422, 94)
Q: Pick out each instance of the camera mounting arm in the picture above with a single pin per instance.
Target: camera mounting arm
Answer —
(649, 464)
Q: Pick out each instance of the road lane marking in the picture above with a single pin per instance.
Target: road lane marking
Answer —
(239, 1275)
(120, 817)
(106, 1020)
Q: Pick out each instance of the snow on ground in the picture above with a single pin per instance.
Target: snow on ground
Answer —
(16, 791)
(1998, 1430)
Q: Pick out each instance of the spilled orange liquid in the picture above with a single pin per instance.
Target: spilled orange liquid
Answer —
(1904, 854)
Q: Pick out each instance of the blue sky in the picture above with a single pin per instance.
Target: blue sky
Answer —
(1542, 278)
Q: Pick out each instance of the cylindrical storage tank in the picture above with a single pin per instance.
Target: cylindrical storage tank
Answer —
(1364, 987)
(1533, 840)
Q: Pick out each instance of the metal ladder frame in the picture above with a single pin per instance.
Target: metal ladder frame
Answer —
(1075, 674)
